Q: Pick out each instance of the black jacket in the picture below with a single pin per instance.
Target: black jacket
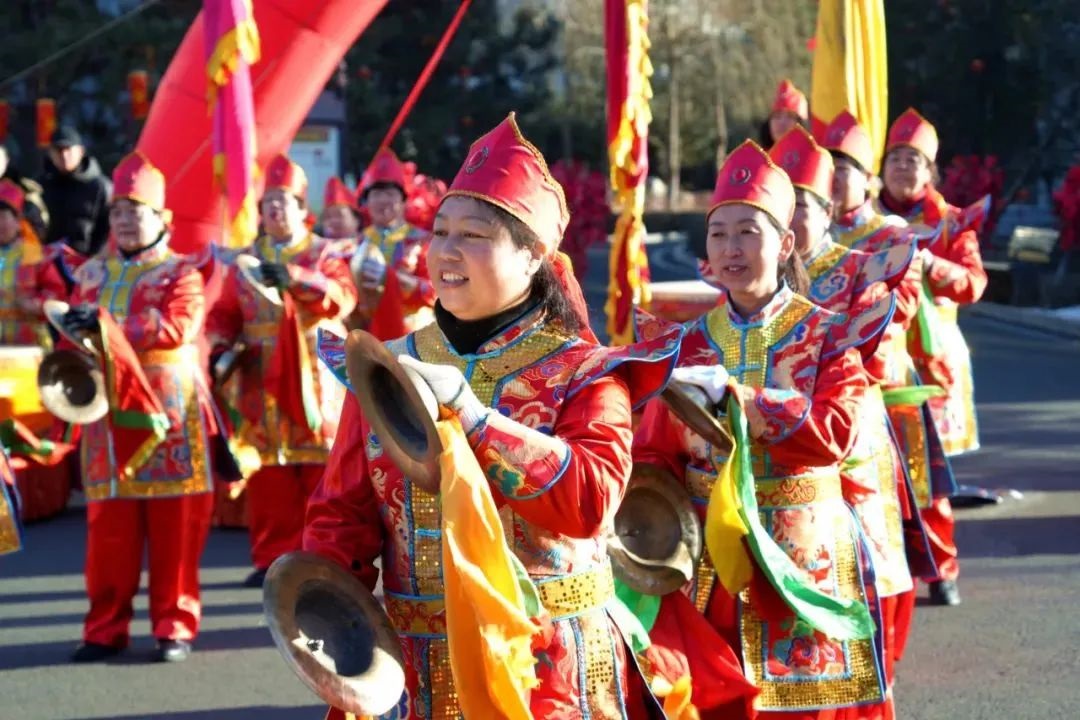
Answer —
(78, 205)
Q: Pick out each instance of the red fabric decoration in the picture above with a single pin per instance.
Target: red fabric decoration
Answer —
(388, 320)
(586, 197)
(1067, 205)
(969, 178)
(288, 376)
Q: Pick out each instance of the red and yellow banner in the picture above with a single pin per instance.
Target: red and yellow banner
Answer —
(44, 121)
(138, 82)
(232, 46)
(628, 115)
(850, 67)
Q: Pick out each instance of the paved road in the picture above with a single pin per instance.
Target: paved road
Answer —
(1008, 652)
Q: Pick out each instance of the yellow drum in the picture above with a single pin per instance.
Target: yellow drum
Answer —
(682, 300)
(18, 381)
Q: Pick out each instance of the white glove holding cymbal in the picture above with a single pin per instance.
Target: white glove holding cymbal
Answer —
(450, 389)
(710, 378)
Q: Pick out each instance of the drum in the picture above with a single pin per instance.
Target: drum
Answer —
(19, 396)
(682, 300)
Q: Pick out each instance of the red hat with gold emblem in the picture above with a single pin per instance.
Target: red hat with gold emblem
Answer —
(846, 136)
(807, 165)
(385, 168)
(790, 99)
(12, 196)
(135, 178)
(749, 177)
(282, 173)
(337, 193)
(913, 130)
(506, 170)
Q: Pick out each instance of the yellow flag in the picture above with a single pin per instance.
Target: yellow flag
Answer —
(489, 633)
(724, 530)
(850, 67)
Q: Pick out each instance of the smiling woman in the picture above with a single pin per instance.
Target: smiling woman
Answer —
(799, 616)
(546, 413)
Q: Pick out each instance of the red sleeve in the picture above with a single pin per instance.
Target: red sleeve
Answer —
(342, 521)
(957, 271)
(809, 430)
(37, 283)
(173, 321)
(226, 319)
(327, 291)
(908, 294)
(659, 439)
(571, 482)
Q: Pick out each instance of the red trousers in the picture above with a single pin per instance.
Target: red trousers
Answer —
(940, 528)
(277, 498)
(903, 614)
(174, 530)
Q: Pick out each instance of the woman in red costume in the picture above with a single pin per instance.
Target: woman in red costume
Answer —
(859, 226)
(796, 373)
(547, 413)
(849, 282)
(953, 276)
(286, 405)
(146, 466)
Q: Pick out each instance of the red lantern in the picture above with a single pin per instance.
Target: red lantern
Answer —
(138, 82)
(5, 117)
(45, 121)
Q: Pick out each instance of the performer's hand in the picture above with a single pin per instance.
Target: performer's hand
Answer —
(275, 275)
(82, 318)
(927, 258)
(710, 378)
(450, 390)
(372, 272)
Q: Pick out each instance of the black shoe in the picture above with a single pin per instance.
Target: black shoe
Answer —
(255, 579)
(173, 650)
(89, 652)
(944, 592)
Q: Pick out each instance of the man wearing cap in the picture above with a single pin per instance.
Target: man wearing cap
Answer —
(275, 296)
(391, 261)
(145, 463)
(76, 194)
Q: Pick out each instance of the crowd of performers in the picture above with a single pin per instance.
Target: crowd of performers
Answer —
(833, 355)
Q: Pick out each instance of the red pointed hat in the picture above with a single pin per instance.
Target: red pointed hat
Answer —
(506, 170)
(284, 174)
(913, 130)
(135, 178)
(790, 99)
(12, 196)
(748, 176)
(807, 165)
(337, 193)
(846, 136)
(385, 168)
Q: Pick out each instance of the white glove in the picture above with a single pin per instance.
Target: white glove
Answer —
(710, 378)
(450, 390)
(927, 258)
(372, 272)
